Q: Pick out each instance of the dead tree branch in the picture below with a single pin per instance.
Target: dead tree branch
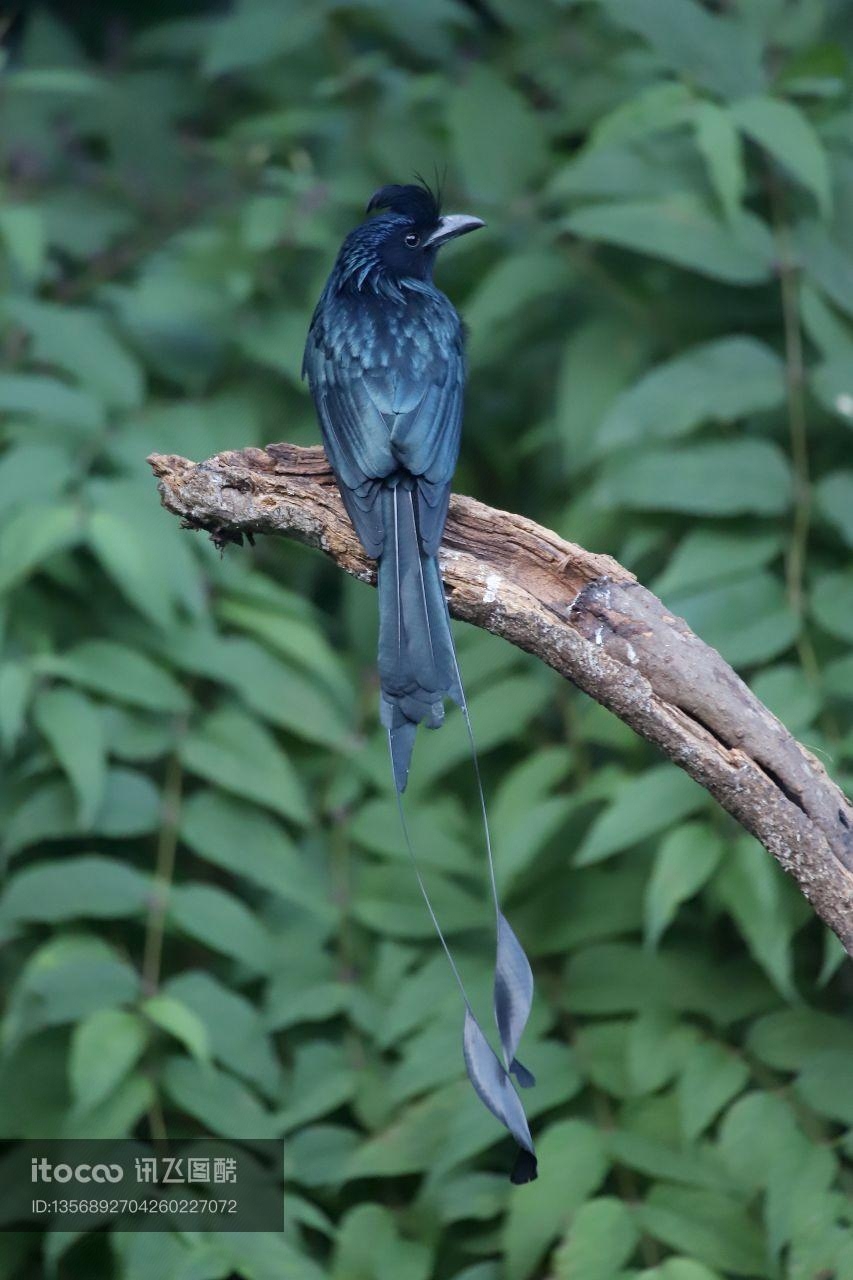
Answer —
(588, 618)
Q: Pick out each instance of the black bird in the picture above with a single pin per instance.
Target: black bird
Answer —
(385, 364)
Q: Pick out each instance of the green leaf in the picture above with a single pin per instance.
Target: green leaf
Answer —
(608, 901)
(718, 140)
(222, 922)
(712, 1076)
(34, 1086)
(223, 1105)
(105, 1046)
(49, 80)
(479, 1196)
(518, 845)
(707, 555)
(834, 499)
(757, 1133)
(644, 805)
(831, 334)
(789, 694)
(176, 1018)
(322, 1080)
(717, 382)
(711, 1227)
(130, 807)
(572, 1165)
(17, 681)
(714, 51)
(601, 1239)
(64, 981)
(130, 561)
(234, 1028)
(30, 472)
(232, 750)
(613, 977)
(825, 1083)
(682, 231)
(23, 232)
(117, 1115)
(684, 861)
(254, 34)
(658, 107)
(838, 678)
(599, 358)
(79, 340)
(286, 1007)
(785, 1040)
(655, 1158)
(749, 620)
(248, 842)
(388, 902)
(280, 694)
(785, 133)
(144, 1254)
(681, 1269)
(657, 1045)
(832, 603)
(649, 168)
(119, 672)
(31, 536)
(827, 265)
(369, 1244)
(138, 736)
(437, 827)
(74, 730)
(293, 638)
(75, 887)
(739, 477)
(503, 299)
(50, 400)
(497, 163)
(264, 1256)
(752, 887)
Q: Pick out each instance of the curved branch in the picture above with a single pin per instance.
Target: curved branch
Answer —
(588, 618)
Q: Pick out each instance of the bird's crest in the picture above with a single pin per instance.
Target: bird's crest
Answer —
(416, 200)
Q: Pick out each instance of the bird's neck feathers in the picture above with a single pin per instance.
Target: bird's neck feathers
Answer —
(362, 267)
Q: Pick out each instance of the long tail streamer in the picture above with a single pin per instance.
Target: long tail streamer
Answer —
(513, 992)
(488, 1075)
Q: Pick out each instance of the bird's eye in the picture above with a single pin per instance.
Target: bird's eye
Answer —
(413, 240)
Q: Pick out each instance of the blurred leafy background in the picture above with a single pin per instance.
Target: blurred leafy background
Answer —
(207, 921)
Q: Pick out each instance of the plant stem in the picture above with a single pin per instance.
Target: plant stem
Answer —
(789, 285)
(167, 844)
(157, 1122)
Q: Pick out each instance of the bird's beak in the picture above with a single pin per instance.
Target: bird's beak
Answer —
(451, 226)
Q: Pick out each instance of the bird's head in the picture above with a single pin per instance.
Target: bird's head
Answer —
(401, 242)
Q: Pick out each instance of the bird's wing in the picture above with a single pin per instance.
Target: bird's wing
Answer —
(425, 439)
(376, 420)
(356, 437)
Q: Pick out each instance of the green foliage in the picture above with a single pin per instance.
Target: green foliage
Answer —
(207, 916)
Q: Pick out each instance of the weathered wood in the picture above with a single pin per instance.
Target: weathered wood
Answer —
(588, 618)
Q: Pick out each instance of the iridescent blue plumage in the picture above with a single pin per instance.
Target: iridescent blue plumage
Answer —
(385, 364)
(384, 361)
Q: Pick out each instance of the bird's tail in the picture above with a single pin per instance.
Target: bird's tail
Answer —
(417, 670)
(417, 665)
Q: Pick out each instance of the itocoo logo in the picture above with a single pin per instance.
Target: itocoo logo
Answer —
(43, 1171)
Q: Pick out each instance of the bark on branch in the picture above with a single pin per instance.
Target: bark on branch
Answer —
(588, 618)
